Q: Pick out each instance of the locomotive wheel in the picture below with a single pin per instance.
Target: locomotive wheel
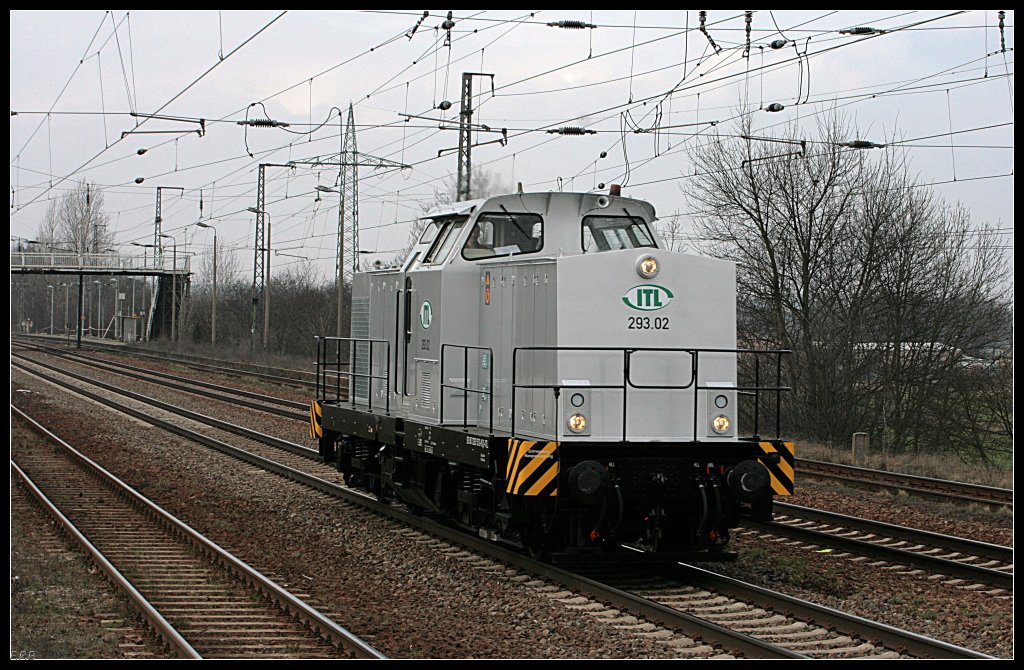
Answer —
(537, 552)
(536, 537)
(535, 542)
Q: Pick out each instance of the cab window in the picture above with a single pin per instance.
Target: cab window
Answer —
(504, 234)
(429, 231)
(610, 233)
(444, 241)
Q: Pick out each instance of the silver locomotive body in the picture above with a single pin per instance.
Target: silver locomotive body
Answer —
(542, 372)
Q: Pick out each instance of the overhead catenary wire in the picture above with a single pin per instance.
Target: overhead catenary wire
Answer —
(519, 149)
(172, 99)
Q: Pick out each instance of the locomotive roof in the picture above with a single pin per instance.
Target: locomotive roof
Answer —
(538, 201)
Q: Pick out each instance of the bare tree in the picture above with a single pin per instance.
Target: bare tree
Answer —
(77, 222)
(74, 223)
(672, 233)
(876, 286)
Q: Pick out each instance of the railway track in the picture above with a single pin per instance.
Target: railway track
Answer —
(955, 561)
(260, 401)
(201, 600)
(602, 598)
(274, 374)
(801, 626)
(942, 556)
(930, 488)
(936, 489)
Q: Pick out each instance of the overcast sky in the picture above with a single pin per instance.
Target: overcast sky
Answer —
(941, 83)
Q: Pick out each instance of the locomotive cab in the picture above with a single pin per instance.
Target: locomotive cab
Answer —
(542, 371)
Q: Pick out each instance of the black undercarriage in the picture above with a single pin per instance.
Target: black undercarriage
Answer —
(561, 501)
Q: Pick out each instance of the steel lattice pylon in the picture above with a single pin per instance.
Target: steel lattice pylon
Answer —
(348, 211)
(348, 162)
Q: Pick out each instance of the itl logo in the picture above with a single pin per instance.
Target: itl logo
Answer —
(426, 314)
(648, 297)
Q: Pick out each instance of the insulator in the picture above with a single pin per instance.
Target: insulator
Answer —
(775, 107)
(263, 123)
(860, 30)
(863, 144)
(571, 24)
(572, 130)
(1002, 34)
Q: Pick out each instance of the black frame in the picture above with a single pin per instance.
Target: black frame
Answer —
(503, 214)
(631, 217)
(323, 367)
(694, 354)
(465, 401)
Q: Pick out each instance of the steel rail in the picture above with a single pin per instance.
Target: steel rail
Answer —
(849, 624)
(328, 628)
(943, 566)
(723, 636)
(163, 629)
(925, 486)
(145, 375)
(988, 550)
(293, 377)
(623, 600)
(180, 411)
(915, 484)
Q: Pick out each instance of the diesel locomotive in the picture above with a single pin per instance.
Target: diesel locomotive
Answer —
(542, 371)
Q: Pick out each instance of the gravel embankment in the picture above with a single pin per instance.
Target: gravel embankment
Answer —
(61, 605)
(404, 597)
(411, 601)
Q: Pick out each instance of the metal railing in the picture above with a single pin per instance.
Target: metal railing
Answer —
(754, 391)
(329, 368)
(466, 390)
(70, 261)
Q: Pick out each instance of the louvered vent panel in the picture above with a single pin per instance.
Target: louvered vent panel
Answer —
(361, 361)
(425, 384)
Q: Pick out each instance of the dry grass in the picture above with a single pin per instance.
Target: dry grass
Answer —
(938, 466)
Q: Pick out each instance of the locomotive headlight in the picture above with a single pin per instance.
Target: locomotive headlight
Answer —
(721, 424)
(647, 267)
(577, 423)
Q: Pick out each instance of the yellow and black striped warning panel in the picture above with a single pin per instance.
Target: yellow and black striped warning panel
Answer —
(779, 467)
(532, 468)
(316, 421)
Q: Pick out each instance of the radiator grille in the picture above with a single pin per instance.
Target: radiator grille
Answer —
(425, 387)
(361, 350)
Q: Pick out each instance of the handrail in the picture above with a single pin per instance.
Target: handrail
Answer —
(322, 369)
(465, 372)
(694, 354)
(100, 262)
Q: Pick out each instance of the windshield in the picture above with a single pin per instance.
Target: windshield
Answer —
(504, 234)
(609, 233)
(444, 241)
(429, 230)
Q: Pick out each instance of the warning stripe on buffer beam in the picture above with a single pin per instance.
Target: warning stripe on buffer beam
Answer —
(532, 468)
(779, 467)
(316, 426)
